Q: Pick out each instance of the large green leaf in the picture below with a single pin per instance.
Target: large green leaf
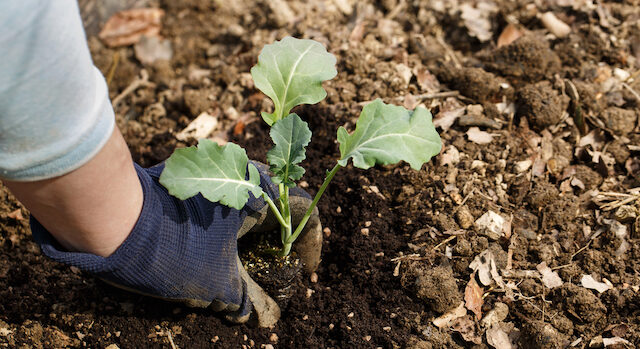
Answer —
(290, 136)
(219, 173)
(386, 134)
(291, 72)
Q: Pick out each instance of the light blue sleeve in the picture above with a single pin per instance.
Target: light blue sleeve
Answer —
(55, 113)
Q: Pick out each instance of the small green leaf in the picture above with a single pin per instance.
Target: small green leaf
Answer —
(219, 173)
(386, 134)
(290, 136)
(291, 72)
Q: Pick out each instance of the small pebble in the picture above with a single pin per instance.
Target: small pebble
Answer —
(339, 209)
(386, 328)
(350, 315)
(244, 336)
(366, 338)
(268, 346)
(305, 318)
(364, 231)
(303, 184)
(215, 339)
(313, 278)
(251, 343)
(331, 326)
(309, 292)
(327, 232)
(367, 224)
(118, 333)
(379, 254)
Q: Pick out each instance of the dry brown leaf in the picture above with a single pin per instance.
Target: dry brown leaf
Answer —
(151, 49)
(467, 329)
(509, 34)
(477, 19)
(498, 339)
(445, 119)
(480, 137)
(473, 297)
(200, 127)
(446, 320)
(550, 278)
(499, 312)
(427, 81)
(587, 281)
(481, 264)
(127, 27)
(615, 340)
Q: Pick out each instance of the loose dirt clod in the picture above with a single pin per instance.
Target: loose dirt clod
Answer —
(541, 105)
(528, 58)
(435, 286)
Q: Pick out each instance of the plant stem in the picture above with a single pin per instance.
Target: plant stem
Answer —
(307, 214)
(285, 230)
(274, 209)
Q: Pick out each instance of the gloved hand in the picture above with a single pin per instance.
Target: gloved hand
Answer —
(187, 250)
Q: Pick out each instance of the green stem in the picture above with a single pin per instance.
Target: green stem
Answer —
(307, 214)
(274, 209)
(285, 229)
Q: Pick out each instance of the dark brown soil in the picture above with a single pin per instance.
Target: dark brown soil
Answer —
(383, 286)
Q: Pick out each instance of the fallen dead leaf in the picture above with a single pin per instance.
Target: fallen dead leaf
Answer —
(445, 119)
(614, 340)
(550, 278)
(491, 224)
(427, 81)
(200, 127)
(481, 265)
(473, 297)
(127, 27)
(509, 34)
(477, 19)
(446, 320)
(480, 137)
(498, 339)
(151, 49)
(587, 281)
(499, 312)
(467, 329)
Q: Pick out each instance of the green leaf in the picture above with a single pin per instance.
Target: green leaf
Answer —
(386, 134)
(291, 72)
(219, 173)
(290, 136)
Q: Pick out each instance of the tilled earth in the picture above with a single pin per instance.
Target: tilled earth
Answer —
(523, 232)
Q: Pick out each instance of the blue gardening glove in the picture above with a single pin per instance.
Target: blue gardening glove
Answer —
(186, 251)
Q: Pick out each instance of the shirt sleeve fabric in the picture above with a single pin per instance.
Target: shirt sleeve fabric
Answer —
(55, 112)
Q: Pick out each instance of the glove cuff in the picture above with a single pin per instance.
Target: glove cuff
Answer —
(134, 245)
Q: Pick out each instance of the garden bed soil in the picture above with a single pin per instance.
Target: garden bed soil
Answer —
(398, 243)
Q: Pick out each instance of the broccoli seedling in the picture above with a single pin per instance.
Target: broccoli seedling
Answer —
(291, 72)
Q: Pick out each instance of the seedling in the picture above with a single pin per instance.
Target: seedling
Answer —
(291, 72)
